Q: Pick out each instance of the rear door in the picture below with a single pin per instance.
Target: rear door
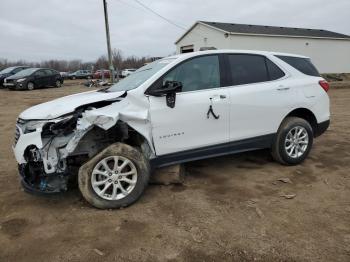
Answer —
(260, 96)
(40, 78)
(51, 77)
(189, 125)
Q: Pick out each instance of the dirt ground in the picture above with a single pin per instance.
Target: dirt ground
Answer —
(229, 209)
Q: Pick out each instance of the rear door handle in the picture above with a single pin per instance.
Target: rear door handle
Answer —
(222, 96)
(283, 88)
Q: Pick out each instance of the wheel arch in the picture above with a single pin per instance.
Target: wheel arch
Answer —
(307, 115)
(120, 132)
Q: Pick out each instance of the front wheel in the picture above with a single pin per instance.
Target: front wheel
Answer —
(58, 83)
(293, 141)
(114, 178)
(30, 86)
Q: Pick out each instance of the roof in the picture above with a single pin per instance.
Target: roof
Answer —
(246, 29)
(233, 51)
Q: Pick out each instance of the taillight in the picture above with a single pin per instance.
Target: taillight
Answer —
(324, 84)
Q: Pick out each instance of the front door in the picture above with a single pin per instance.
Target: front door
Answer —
(191, 124)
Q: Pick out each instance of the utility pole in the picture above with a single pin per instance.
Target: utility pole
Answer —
(111, 67)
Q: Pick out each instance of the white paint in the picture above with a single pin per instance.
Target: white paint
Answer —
(329, 55)
(246, 111)
(186, 126)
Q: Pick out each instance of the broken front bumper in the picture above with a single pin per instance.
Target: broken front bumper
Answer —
(38, 183)
(41, 157)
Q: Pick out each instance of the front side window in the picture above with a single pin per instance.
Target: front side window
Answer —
(48, 72)
(40, 73)
(196, 74)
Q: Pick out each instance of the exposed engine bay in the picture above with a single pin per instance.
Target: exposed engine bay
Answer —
(50, 151)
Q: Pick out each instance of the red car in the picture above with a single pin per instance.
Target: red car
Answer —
(99, 73)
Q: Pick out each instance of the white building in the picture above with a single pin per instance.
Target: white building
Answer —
(329, 51)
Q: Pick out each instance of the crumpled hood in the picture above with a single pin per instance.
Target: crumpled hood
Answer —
(66, 105)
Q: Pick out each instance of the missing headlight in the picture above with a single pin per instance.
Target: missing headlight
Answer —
(64, 126)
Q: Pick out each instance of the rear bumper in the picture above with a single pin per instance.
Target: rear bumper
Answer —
(321, 128)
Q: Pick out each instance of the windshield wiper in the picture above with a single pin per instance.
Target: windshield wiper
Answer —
(104, 90)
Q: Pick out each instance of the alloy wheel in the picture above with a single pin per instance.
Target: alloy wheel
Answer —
(114, 177)
(297, 141)
(30, 86)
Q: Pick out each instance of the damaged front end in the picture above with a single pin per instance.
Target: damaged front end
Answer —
(50, 152)
(40, 151)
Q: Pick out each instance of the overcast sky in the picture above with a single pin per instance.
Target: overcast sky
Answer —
(56, 29)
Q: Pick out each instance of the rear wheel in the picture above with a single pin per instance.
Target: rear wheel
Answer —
(114, 178)
(30, 86)
(58, 83)
(293, 141)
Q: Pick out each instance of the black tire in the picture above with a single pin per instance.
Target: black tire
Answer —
(122, 150)
(30, 86)
(279, 147)
(74, 77)
(58, 83)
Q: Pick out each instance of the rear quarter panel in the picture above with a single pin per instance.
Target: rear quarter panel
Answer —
(310, 95)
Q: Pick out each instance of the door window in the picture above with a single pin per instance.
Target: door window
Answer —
(40, 73)
(48, 72)
(274, 71)
(196, 74)
(304, 65)
(247, 69)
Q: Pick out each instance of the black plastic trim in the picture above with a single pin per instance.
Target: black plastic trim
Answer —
(322, 127)
(250, 144)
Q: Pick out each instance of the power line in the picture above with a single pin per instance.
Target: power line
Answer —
(159, 15)
(130, 5)
(146, 8)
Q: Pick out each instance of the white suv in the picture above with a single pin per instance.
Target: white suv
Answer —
(174, 110)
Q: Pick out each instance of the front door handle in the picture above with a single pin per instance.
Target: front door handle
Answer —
(217, 97)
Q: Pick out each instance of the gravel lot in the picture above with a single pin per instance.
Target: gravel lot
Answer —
(229, 209)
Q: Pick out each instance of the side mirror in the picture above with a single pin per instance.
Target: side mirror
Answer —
(169, 90)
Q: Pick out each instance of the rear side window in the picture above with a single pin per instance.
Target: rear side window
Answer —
(304, 65)
(274, 71)
(248, 69)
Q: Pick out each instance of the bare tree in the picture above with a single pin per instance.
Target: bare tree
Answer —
(119, 62)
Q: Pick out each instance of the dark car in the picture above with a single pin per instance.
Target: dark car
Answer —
(9, 72)
(81, 74)
(34, 78)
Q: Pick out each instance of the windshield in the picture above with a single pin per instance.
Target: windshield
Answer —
(140, 76)
(27, 72)
(7, 70)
